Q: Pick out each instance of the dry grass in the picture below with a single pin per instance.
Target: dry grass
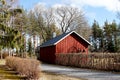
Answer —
(2, 62)
(25, 67)
(52, 76)
(101, 61)
(6, 74)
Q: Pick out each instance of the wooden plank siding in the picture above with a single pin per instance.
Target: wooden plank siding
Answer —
(47, 54)
(72, 44)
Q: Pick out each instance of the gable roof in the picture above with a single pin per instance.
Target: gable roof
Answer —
(57, 39)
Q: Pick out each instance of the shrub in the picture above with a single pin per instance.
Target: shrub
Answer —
(102, 61)
(25, 67)
(4, 55)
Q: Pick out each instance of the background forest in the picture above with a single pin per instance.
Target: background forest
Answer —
(22, 31)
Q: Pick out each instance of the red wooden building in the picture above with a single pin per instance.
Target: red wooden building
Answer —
(70, 42)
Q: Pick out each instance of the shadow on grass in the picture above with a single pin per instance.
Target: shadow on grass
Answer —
(6, 73)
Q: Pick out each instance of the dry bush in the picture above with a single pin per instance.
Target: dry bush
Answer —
(71, 59)
(25, 67)
(4, 55)
(102, 61)
(31, 70)
(10, 62)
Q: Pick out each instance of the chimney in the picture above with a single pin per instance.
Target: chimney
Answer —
(54, 34)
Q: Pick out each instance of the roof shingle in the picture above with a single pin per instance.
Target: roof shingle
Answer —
(53, 41)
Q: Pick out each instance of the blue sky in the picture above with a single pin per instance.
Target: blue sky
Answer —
(100, 10)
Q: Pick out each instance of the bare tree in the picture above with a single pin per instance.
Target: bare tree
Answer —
(49, 16)
(66, 18)
(50, 22)
(46, 21)
(84, 31)
(69, 18)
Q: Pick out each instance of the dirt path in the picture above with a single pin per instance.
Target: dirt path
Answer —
(81, 73)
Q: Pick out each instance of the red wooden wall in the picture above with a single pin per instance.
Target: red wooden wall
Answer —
(47, 54)
(72, 44)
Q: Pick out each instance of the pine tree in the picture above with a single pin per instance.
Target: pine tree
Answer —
(97, 36)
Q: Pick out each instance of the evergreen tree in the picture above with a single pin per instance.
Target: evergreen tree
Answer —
(11, 37)
(115, 31)
(97, 36)
(30, 48)
(111, 33)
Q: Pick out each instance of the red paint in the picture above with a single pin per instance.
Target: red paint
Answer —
(47, 54)
(71, 44)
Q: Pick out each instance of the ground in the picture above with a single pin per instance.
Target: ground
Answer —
(81, 73)
(52, 76)
(6, 74)
(56, 72)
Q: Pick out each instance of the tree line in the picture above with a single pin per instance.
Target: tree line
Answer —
(19, 27)
(105, 38)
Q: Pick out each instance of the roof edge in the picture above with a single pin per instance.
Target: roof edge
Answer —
(76, 34)
(46, 46)
(63, 37)
(83, 38)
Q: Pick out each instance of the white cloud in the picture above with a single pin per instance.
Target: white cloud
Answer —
(71, 5)
(111, 5)
(40, 4)
(91, 15)
(39, 7)
(57, 5)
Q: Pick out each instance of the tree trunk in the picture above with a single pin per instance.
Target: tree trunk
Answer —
(24, 44)
(1, 55)
(34, 43)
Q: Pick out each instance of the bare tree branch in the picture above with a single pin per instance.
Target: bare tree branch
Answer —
(69, 18)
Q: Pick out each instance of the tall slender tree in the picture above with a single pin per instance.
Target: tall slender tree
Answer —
(8, 25)
(97, 34)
